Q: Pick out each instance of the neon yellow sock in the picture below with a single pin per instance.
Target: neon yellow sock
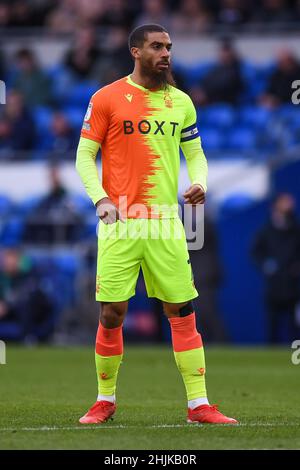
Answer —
(107, 373)
(188, 363)
(108, 357)
(189, 355)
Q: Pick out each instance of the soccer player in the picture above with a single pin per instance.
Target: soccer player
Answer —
(140, 121)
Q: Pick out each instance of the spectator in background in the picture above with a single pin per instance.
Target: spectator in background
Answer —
(64, 18)
(192, 18)
(223, 82)
(17, 131)
(296, 12)
(279, 88)
(2, 67)
(277, 253)
(55, 219)
(22, 13)
(207, 278)
(82, 58)
(232, 13)
(5, 14)
(154, 12)
(273, 12)
(30, 80)
(117, 14)
(26, 311)
(117, 61)
(91, 11)
(63, 137)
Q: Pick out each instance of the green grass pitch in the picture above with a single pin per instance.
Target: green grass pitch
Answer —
(44, 391)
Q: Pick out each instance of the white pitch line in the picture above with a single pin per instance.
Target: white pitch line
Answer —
(121, 426)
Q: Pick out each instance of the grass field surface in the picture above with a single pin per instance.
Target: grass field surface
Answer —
(43, 392)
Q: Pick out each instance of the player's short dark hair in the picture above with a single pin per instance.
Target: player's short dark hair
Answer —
(139, 35)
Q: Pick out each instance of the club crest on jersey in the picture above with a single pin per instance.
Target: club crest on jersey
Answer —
(88, 112)
(168, 101)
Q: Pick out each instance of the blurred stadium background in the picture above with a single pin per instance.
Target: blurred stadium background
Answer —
(237, 59)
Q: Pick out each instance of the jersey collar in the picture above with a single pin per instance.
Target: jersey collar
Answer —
(131, 82)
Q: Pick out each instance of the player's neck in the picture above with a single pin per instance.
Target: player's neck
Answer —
(144, 81)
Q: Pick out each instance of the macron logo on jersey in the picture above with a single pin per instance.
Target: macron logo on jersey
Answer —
(129, 97)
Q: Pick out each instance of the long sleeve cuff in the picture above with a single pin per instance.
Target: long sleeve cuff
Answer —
(196, 162)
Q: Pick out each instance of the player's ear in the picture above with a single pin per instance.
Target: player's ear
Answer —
(135, 52)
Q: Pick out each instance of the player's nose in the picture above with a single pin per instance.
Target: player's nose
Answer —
(166, 53)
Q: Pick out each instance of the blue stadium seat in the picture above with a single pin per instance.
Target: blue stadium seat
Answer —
(241, 137)
(250, 79)
(82, 203)
(193, 74)
(75, 115)
(28, 205)
(218, 115)
(255, 78)
(6, 205)
(10, 331)
(42, 117)
(260, 84)
(254, 116)
(68, 266)
(80, 93)
(68, 263)
(235, 202)
(61, 80)
(290, 114)
(211, 138)
(265, 70)
(90, 228)
(59, 273)
(12, 231)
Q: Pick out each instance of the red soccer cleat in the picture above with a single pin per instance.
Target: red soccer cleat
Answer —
(208, 414)
(100, 412)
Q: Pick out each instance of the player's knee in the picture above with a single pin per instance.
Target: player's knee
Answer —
(112, 314)
(187, 309)
(179, 310)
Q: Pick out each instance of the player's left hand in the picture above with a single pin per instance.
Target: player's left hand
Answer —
(194, 195)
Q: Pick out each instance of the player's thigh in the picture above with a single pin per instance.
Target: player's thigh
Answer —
(166, 265)
(118, 264)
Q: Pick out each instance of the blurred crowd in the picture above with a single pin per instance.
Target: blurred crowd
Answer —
(179, 16)
(44, 110)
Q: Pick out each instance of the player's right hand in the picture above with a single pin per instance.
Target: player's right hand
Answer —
(107, 211)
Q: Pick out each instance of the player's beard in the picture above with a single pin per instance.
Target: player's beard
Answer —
(161, 79)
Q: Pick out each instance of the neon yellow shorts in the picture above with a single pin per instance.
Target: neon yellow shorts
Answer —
(158, 246)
